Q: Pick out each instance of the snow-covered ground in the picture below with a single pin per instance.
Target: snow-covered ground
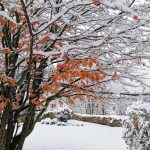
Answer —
(88, 137)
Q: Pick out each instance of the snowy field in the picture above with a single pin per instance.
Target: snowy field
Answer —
(88, 137)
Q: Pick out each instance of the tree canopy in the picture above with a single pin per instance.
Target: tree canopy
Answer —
(53, 49)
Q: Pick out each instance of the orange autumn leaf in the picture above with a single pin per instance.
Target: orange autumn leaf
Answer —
(37, 102)
(23, 35)
(11, 24)
(97, 78)
(1, 98)
(3, 21)
(114, 75)
(18, 97)
(1, 34)
(65, 58)
(33, 65)
(90, 64)
(26, 49)
(32, 95)
(37, 47)
(20, 45)
(97, 64)
(12, 83)
(57, 85)
(55, 46)
(38, 58)
(65, 66)
(76, 97)
(84, 63)
(2, 106)
(4, 79)
(95, 97)
(71, 80)
(22, 18)
(7, 51)
(94, 2)
(100, 97)
(71, 101)
(7, 100)
(59, 66)
(44, 40)
(60, 43)
(31, 10)
(69, 28)
(15, 106)
(42, 100)
(35, 23)
(94, 60)
(92, 77)
(53, 91)
(47, 87)
(84, 74)
(135, 17)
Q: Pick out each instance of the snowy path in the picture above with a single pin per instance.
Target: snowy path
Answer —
(87, 137)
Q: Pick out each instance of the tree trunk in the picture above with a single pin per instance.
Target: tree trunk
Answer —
(27, 129)
(10, 131)
(3, 129)
(9, 141)
(15, 143)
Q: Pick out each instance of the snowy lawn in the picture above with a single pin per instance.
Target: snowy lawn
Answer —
(88, 137)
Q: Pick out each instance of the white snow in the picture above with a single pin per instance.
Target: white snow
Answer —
(88, 137)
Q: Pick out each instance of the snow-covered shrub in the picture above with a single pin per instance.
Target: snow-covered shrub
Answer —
(63, 114)
(137, 127)
(59, 116)
(49, 121)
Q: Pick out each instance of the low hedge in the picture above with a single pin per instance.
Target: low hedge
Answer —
(100, 120)
(103, 120)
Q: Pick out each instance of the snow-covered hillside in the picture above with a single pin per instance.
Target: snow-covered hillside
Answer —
(88, 137)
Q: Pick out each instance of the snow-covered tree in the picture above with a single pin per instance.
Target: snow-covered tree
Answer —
(53, 49)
